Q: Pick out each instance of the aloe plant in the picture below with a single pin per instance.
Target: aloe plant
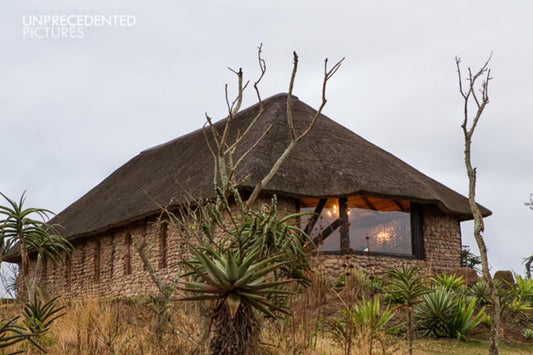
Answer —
(38, 316)
(239, 284)
(11, 333)
(26, 229)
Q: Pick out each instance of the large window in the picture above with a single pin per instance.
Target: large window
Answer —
(364, 225)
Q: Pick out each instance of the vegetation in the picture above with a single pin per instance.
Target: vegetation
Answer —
(327, 317)
(27, 230)
(406, 286)
(469, 259)
(476, 96)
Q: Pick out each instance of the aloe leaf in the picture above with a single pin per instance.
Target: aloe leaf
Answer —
(233, 301)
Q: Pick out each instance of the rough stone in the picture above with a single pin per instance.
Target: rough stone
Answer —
(469, 275)
(506, 277)
(107, 265)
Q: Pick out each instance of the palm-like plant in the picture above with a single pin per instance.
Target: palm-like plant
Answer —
(11, 333)
(239, 284)
(26, 229)
(38, 316)
(406, 287)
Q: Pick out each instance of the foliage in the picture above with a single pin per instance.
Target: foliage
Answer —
(245, 264)
(363, 323)
(406, 287)
(39, 316)
(444, 313)
(469, 259)
(19, 228)
(528, 334)
(524, 288)
(275, 235)
(479, 291)
(449, 282)
(235, 278)
(12, 333)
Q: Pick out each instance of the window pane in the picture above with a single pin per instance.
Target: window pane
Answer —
(329, 214)
(377, 231)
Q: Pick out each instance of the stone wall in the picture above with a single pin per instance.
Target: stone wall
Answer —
(108, 265)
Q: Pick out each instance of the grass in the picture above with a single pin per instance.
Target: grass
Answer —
(120, 326)
(470, 347)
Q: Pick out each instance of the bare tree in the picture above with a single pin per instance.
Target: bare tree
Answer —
(223, 232)
(476, 95)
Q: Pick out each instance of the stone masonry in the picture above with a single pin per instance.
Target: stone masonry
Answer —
(108, 265)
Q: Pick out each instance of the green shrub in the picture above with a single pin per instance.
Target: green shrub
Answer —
(480, 292)
(364, 323)
(528, 334)
(448, 282)
(524, 288)
(444, 313)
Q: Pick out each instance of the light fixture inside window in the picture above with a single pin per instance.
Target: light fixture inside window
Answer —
(334, 212)
(383, 237)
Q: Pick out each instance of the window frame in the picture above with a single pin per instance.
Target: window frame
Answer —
(417, 233)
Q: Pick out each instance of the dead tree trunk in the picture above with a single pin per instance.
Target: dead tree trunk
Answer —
(479, 103)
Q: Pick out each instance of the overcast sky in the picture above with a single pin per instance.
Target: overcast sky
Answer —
(74, 110)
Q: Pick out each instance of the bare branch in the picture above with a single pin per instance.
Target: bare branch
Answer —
(294, 140)
(289, 96)
(213, 154)
(253, 146)
(262, 68)
(328, 74)
(479, 226)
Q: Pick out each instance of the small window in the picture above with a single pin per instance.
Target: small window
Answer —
(364, 225)
(68, 269)
(97, 260)
(127, 260)
(163, 245)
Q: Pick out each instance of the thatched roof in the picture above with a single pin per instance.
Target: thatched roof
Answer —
(330, 161)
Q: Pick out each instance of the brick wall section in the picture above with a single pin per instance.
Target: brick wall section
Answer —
(442, 242)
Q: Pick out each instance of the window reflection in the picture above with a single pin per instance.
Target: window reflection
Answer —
(382, 232)
(329, 214)
(374, 224)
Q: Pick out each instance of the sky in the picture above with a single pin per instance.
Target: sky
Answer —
(72, 110)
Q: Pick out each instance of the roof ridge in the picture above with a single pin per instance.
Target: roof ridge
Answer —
(242, 112)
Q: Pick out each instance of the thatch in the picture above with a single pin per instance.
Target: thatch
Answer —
(330, 161)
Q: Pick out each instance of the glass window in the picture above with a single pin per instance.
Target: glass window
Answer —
(382, 232)
(325, 231)
(375, 225)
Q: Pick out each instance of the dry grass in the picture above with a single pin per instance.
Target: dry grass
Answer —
(95, 326)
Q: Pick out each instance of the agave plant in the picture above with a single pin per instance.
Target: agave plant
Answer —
(443, 313)
(239, 284)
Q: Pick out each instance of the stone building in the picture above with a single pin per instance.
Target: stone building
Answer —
(372, 207)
